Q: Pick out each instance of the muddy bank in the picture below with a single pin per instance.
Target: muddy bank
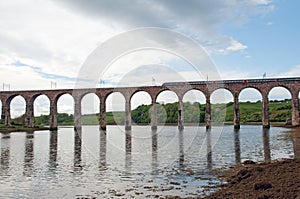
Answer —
(280, 179)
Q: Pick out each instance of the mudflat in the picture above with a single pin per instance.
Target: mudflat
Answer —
(279, 179)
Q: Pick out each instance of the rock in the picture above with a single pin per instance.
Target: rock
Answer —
(190, 172)
(249, 162)
(288, 122)
(175, 183)
(262, 186)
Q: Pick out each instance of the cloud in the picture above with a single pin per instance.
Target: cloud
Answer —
(198, 19)
(236, 46)
(49, 40)
(293, 72)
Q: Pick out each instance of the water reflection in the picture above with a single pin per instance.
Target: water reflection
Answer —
(296, 143)
(53, 150)
(77, 150)
(154, 151)
(128, 148)
(181, 149)
(237, 146)
(208, 148)
(5, 153)
(29, 154)
(102, 152)
(110, 172)
(266, 141)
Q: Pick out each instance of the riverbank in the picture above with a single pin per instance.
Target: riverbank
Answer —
(279, 179)
(9, 129)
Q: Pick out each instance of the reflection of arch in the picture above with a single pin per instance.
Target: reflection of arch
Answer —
(284, 103)
(141, 116)
(244, 111)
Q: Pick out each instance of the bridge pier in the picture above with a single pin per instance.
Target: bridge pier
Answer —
(77, 114)
(127, 114)
(153, 115)
(295, 109)
(7, 117)
(208, 113)
(102, 119)
(53, 115)
(29, 118)
(236, 119)
(180, 114)
(265, 111)
(2, 114)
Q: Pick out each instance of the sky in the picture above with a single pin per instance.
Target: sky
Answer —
(44, 41)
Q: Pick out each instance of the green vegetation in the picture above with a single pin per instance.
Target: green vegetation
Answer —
(280, 111)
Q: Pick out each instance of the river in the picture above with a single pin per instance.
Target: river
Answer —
(131, 164)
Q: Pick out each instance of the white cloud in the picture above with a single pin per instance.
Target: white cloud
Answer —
(236, 46)
(293, 72)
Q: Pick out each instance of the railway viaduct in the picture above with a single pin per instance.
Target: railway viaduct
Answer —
(264, 86)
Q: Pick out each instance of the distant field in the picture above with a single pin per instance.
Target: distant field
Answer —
(250, 112)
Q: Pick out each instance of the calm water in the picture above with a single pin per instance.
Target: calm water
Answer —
(133, 164)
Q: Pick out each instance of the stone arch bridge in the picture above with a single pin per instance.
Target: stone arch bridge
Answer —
(264, 86)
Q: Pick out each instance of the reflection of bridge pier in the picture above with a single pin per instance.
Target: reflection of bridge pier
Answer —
(181, 148)
(53, 150)
(29, 154)
(102, 147)
(128, 148)
(208, 148)
(296, 144)
(154, 151)
(266, 141)
(4, 153)
(77, 150)
(264, 86)
(237, 146)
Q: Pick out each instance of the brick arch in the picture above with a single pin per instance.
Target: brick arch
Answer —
(58, 95)
(250, 87)
(137, 91)
(111, 92)
(165, 89)
(194, 89)
(11, 97)
(280, 86)
(33, 97)
(79, 96)
(88, 93)
(220, 88)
